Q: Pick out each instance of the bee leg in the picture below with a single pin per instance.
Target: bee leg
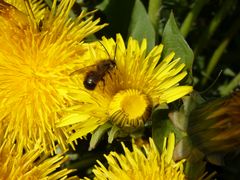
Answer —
(109, 73)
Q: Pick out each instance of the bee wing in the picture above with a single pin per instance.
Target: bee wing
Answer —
(84, 70)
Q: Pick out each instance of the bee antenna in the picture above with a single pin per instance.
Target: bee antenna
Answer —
(105, 49)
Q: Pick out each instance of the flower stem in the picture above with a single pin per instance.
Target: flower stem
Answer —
(154, 14)
(206, 35)
(227, 89)
(192, 15)
(221, 48)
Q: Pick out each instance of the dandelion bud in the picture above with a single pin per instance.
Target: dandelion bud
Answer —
(214, 127)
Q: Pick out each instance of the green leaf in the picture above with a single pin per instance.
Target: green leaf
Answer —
(228, 88)
(140, 26)
(113, 133)
(161, 127)
(194, 170)
(182, 149)
(174, 41)
(98, 133)
(180, 118)
(129, 18)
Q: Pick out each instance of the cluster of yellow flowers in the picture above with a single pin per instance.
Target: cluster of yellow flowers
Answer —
(146, 164)
(44, 104)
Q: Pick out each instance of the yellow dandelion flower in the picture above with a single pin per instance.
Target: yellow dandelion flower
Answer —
(144, 163)
(37, 53)
(127, 93)
(37, 7)
(31, 165)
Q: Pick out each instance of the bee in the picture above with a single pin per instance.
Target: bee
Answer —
(92, 77)
(95, 73)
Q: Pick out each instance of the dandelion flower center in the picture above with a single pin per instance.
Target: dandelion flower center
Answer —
(129, 102)
(130, 108)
